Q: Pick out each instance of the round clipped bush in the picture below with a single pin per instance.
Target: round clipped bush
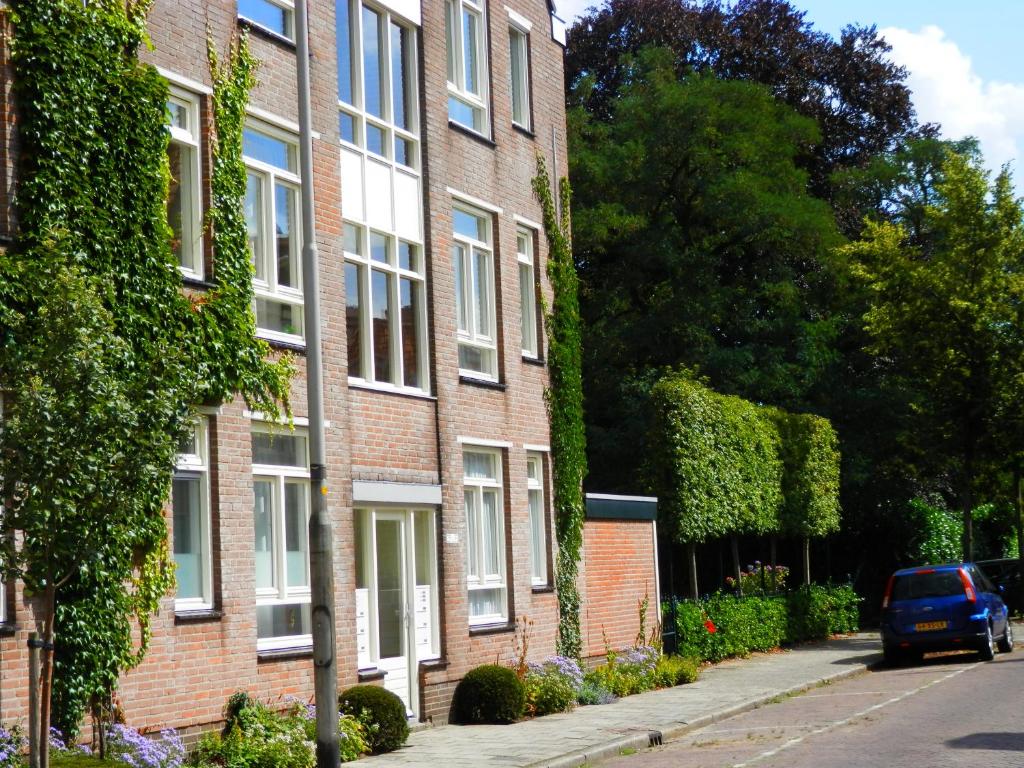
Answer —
(489, 694)
(381, 711)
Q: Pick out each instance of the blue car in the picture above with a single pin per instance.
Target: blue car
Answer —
(943, 608)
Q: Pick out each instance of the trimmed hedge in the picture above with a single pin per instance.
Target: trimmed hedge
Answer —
(383, 713)
(717, 470)
(747, 624)
(489, 694)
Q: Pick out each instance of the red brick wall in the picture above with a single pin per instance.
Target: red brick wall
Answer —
(193, 666)
(619, 570)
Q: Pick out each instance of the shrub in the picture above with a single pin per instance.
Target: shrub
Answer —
(676, 670)
(760, 579)
(628, 672)
(381, 711)
(127, 745)
(552, 686)
(489, 694)
(352, 734)
(11, 745)
(752, 623)
(256, 737)
(592, 692)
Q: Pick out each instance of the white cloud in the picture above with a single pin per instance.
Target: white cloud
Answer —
(948, 91)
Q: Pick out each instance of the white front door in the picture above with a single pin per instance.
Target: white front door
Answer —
(396, 602)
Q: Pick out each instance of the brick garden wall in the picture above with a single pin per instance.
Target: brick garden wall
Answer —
(620, 569)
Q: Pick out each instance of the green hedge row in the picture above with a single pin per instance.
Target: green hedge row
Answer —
(746, 624)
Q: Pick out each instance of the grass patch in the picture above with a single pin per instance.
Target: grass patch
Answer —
(81, 761)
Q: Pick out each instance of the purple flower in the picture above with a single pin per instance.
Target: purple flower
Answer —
(132, 748)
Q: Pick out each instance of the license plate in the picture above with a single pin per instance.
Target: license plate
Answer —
(930, 626)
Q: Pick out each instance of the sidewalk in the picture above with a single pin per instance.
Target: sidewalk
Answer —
(590, 733)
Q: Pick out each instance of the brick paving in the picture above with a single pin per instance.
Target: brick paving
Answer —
(591, 733)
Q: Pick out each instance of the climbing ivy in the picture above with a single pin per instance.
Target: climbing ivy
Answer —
(564, 398)
(103, 358)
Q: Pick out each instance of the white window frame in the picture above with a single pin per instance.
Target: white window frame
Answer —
(527, 262)
(535, 489)
(192, 214)
(268, 288)
(197, 466)
(485, 340)
(288, 6)
(366, 266)
(385, 122)
(278, 475)
(476, 578)
(456, 64)
(522, 87)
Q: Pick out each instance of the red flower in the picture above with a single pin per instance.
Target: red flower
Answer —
(709, 625)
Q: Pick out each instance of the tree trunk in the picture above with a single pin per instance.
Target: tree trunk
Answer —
(691, 566)
(46, 694)
(807, 560)
(773, 546)
(735, 545)
(33, 700)
(968, 540)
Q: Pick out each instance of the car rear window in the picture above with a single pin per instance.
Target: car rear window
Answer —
(913, 586)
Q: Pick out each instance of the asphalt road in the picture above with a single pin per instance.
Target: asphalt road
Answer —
(951, 711)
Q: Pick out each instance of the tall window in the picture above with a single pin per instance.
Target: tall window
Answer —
(519, 72)
(473, 257)
(465, 35)
(485, 537)
(281, 517)
(276, 15)
(272, 216)
(383, 237)
(184, 196)
(386, 309)
(190, 501)
(527, 292)
(377, 83)
(538, 519)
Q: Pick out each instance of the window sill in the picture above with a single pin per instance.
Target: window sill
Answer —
(264, 32)
(481, 630)
(434, 665)
(8, 630)
(371, 386)
(460, 128)
(283, 654)
(485, 383)
(370, 675)
(543, 589)
(190, 281)
(290, 346)
(530, 360)
(525, 131)
(197, 615)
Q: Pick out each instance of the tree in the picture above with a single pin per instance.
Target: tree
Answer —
(103, 359)
(943, 315)
(849, 86)
(698, 247)
(810, 479)
(717, 471)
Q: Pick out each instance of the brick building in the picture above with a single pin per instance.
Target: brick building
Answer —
(429, 119)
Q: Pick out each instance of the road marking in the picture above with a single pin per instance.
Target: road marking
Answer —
(840, 723)
(843, 693)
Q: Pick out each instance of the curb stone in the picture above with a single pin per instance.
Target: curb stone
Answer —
(644, 737)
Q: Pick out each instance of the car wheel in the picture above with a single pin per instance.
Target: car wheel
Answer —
(1006, 641)
(988, 648)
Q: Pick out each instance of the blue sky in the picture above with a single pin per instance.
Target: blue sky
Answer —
(963, 60)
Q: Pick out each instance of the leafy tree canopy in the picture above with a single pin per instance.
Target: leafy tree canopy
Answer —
(849, 86)
(944, 315)
(698, 247)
